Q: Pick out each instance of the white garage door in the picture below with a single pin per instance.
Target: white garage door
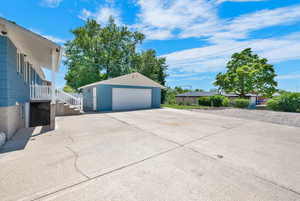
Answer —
(129, 99)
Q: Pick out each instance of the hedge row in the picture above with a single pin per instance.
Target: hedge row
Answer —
(240, 102)
(215, 101)
(287, 102)
(222, 101)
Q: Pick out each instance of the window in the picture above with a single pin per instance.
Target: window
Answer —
(26, 72)
(22, 65)
(31, 75)
(18, 64)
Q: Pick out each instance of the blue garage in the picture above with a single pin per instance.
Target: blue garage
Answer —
(127, 92)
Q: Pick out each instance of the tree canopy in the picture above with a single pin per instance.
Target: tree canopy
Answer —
(97, 53)
(247, 73)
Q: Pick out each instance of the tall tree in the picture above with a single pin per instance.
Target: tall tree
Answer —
(82, 56)
(247, 73)
(148, 64)
(98, 53)
(118, 49)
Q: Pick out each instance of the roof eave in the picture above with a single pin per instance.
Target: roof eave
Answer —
(96, 84)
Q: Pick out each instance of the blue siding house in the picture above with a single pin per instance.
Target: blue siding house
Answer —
(127, 92)
(23, 54)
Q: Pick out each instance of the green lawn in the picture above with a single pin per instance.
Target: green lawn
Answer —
(175, 106)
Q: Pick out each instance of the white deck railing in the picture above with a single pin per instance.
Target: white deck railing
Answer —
(68, 98)
(41, 92)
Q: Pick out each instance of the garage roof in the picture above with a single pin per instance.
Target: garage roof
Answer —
(132, 79)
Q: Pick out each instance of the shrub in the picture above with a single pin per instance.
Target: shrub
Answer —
(204, 101)
(225, 102)
(170, 97)
(216, 101)
(286, 102)
(241, 102)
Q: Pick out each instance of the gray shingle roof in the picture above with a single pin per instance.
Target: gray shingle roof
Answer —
(208, 93)
(196, 94)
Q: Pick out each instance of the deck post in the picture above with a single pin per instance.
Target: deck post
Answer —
(53, 74)
(53, 95)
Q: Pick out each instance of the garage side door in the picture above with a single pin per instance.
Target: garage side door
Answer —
(130, 99)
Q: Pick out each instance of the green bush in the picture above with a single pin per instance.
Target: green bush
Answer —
(286, 102)
(225, 102)
(215, 101)
(240, 102)
(204, 101)
(170, 97)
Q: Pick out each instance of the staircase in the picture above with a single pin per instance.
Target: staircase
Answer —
(67, 104)
(64, 109)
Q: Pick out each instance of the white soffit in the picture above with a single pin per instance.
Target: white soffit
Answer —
(35, 46)
(132, 79)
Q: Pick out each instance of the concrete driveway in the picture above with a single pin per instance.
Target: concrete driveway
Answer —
(161, 155)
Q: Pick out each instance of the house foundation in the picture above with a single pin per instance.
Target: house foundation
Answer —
(11, 119)
(52, 115)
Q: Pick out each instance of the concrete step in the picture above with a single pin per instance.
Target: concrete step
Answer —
(64, 109)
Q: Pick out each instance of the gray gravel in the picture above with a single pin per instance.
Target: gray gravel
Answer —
(284, 118)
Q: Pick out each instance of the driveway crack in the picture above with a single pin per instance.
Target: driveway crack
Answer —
(105, 173)
(75, 163)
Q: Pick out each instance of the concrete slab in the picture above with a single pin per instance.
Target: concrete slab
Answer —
(181, 174)
(177, 125)
(161, 154)
(267, 151)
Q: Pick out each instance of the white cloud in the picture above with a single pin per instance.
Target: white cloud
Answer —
(288, 77)
(179, 75)
(169, 19)
(101, 15)
(173, 19)
(221, 1)
(218, 31)
(198, 78)
(169, 16)
(213, 58)
(265, 18)
(51, 3)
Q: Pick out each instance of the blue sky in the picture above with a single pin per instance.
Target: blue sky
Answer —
(196, 36)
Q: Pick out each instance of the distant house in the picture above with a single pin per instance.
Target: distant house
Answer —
(192, 97)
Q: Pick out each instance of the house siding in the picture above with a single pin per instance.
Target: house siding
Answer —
(104, 96)
(18, 89)
(14, 92)
(13, 88)
(187, 100)
(156, 97)
(3, 72)
(87, 99)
